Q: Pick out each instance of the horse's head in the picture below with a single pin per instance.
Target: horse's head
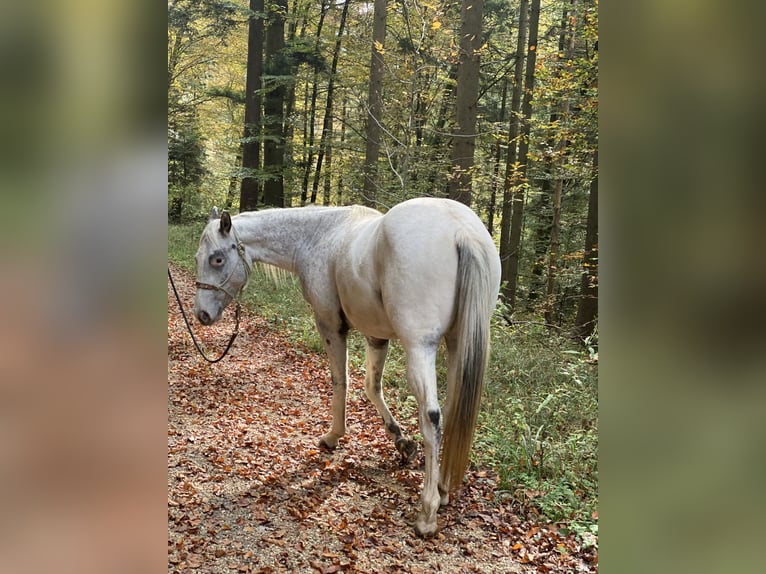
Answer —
(222, 268)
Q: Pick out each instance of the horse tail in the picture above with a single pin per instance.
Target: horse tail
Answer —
(475, 302)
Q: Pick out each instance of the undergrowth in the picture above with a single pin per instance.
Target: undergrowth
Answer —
(538, 426)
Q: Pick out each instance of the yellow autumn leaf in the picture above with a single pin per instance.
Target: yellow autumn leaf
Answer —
(379, 48)
(436, 25)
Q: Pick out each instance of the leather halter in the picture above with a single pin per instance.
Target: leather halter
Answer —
(222, 286)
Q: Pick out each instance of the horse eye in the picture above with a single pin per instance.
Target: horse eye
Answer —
(233, 246)
(216, 260)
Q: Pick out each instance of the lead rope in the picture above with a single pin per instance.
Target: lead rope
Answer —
(191, 332)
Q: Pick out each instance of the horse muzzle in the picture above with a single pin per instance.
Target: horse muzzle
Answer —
(204, 318)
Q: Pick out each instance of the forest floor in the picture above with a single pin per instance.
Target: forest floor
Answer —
(249, 490)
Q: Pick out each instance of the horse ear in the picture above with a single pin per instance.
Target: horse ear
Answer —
(225, 223)
(214, 213)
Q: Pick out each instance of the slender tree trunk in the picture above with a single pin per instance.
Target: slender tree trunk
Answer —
(327, 122)
(558, 186)
(513, 136)
(437, 135)
(519, 169)
(464, 142)
(587, 310)
(373, 129)
(251, 144)
(274, 144)
(342, 142)
(542, 233)
(309, 144)
(290, 91)
(553, 251)
(327, 173)
(437, 143)
(233, 183)
(496, 166)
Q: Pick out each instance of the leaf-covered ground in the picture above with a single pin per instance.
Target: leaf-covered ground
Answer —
(250, 491)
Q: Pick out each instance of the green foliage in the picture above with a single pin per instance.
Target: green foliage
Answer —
(186, 168)
(539, 422)
(182, 243)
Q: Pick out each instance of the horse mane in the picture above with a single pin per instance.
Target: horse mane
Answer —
(278, 277)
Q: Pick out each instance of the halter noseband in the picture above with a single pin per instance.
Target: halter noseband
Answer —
(222, 286)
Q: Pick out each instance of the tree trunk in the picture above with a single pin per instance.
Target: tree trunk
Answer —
(513, 136)
(558, 185)
(309, 143)
(541, 241)
(342, 142)
(327, 122)
(233, 181)
(464, 142)
(587, 310)
(373, 129)
(251, 144)
(518, 179)
(436, 142)
(292, 39)
(496, 165)
(437, 134)
(274, 144)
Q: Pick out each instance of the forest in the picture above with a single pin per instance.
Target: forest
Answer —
(491, 103)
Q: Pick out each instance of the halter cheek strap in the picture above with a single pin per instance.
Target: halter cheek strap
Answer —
(222, 286)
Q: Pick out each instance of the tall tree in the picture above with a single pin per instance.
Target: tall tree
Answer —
(498, 155)
(311, 112)
(251, 143)
(373, 127)
(513, 143)
(518, 179)
(324, 146)
(559, 154)
(276, 69)
(464, 142)
(585, 322)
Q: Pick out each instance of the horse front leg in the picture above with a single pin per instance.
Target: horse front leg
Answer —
(375, 358)
(334, 340)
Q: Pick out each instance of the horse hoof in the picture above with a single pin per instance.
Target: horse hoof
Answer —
(328, 442)
(407, 448)
(426, 529)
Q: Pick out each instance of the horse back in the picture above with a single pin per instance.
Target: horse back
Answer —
(404, 268)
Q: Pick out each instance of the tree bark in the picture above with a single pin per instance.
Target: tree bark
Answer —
(518, 179)
(542, 233)
(496, 165)
(373, 129)
(327, 122)
(587, 310)
(342, 142)
(558, 185)
(251, 145)
(467, 94)
(309, 144)
(513, 136)
(274, 144)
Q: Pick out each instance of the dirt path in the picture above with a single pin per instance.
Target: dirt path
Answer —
(250, 491)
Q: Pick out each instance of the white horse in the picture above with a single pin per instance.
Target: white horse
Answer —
(427, 270)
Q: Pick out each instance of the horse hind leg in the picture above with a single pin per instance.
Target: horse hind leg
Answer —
(421, 374)
(375, 358)
(452, 373)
